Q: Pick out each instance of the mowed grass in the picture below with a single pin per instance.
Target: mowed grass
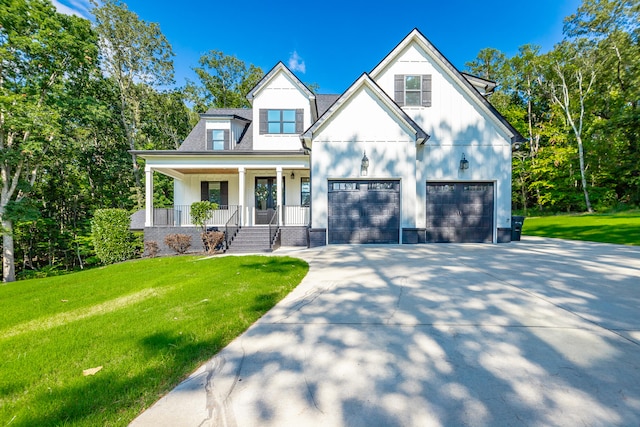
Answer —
(621, 228)
(148, 323)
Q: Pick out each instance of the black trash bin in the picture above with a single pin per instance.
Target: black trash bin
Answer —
(516, 227)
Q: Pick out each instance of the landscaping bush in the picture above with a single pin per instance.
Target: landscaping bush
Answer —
(211, 240)
(151, 248)
(180, 243)
(112, 240)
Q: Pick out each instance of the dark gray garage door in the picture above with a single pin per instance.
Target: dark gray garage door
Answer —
(459, 212)
(364, 211)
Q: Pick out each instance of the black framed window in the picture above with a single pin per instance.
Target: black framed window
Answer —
(289, 121)
(305, 191)
(218, 139)
(216, 192)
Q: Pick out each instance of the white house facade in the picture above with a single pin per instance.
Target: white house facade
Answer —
(412, 152)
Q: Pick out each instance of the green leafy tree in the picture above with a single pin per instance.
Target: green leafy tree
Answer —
(224, 82)
(614, 28)
(201, 212)
(40, 51)
(133, 52)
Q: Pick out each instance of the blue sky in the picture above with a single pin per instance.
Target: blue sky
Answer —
(332, 42)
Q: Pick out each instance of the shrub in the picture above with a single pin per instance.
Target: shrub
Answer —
(151, 248)
(180, 243)
(211, 240)
(112, 240)
(201, 212)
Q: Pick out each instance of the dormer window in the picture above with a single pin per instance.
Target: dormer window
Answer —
(274, 121)
(413, 90)
(217, 139)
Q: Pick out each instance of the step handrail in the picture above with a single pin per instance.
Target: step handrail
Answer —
(273, 229)
(232, 224)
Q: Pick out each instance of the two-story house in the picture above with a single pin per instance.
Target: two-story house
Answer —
(411, 152)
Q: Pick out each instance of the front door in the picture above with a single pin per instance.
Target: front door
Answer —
(266, 197)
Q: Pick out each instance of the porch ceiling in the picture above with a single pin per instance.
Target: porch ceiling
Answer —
(226, 171)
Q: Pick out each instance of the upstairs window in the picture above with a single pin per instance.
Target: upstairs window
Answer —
(413, 90)
(217, 139)
(281, 121)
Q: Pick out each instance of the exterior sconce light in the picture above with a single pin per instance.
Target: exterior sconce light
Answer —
(293, 176)
(364, 165)
(464, 163)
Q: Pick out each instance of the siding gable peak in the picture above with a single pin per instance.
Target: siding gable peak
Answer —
(280, 68)
(365, 81)
(415, 37)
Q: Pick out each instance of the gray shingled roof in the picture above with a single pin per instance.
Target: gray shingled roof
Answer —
(323, 102)
(196, 140)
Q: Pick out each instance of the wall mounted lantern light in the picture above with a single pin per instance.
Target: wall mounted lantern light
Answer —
(464, 163)
(293, 176)
(364, 165)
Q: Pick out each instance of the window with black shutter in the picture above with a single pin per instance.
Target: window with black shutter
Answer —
(218, 139)
(281, 121)
(412, 90)
(216, 192)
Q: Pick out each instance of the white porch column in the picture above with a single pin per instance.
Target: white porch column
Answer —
(279, 193)
(148, 203)
(241, 180)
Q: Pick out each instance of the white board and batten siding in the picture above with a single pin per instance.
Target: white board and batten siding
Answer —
(362, 125)
(280, 93)
(457, 126)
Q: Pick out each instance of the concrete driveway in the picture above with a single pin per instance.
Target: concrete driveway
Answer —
(537, 332)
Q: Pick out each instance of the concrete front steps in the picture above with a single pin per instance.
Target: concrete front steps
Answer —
(250, 240)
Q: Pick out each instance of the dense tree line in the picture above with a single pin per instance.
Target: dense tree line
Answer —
(77, 95)
(579, 107)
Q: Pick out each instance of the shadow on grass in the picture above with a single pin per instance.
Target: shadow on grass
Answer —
(269, 265)
(91, 400)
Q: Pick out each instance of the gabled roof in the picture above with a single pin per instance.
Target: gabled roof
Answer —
(415, 36)
(281, 68)
(366, 81)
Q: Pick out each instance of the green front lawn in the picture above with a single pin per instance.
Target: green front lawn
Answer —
(147, 323)
(621, 228)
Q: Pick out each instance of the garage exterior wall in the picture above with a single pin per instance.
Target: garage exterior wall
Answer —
(457, 125)
(363, 125)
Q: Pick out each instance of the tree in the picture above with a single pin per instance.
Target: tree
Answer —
(40, 50)
(614, 28)
(225, 82)
(569, 81)
(489, 64)
(133, 52)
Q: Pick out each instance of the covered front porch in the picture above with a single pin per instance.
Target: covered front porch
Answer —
(250, 190)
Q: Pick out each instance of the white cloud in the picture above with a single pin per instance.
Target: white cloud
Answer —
(74, 7)
(296, 63)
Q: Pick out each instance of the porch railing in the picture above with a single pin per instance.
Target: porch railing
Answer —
(180, 215)
(295, 215)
